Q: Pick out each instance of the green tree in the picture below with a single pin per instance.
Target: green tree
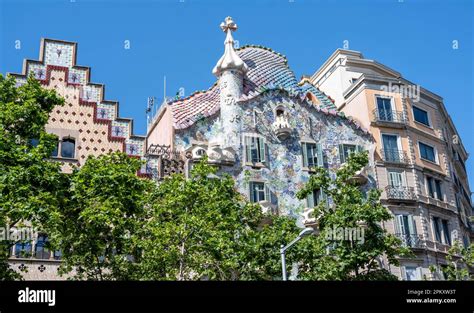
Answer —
(30, 184)
(349, 208)
(195, 227)
(107, 207)
(460, 261)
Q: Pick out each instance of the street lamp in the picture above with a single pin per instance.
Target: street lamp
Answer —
(305, 232)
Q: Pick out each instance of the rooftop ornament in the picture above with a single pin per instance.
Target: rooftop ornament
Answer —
(230, 60)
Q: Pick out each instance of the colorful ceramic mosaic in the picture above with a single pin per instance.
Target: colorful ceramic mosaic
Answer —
(283, 170)
(267, 70)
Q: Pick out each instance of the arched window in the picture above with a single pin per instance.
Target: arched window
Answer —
(68, 148)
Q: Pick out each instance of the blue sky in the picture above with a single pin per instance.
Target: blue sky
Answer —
(180, 39)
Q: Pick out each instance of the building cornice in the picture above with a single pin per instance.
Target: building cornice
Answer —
(337, 53)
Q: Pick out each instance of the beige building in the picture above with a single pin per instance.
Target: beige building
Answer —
(420, 158)
(86, 125)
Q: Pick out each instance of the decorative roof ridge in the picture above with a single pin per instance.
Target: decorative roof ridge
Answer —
(265, 48)
(175, 101)
(196, 92)
(306, 80)
(87, 81)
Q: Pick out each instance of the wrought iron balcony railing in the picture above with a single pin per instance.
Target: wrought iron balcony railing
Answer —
(410, 240)
(400, 193)
(389, 116)
(395, 156)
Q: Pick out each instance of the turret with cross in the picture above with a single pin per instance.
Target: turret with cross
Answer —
(230, 70)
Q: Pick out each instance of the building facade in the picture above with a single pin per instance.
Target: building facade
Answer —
(419, 159)
(269, 131)
(86, 125)
(260, 126)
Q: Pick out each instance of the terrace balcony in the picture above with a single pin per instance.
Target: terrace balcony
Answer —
(400, 193)
(395, 156)
(389, 118)
(460, 165)
(411, 240)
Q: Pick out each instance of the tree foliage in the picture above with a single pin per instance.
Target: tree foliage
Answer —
(112, 225)
(349, 209)
(460, 261)
(30, 184)
(105, 210)
(195, 228)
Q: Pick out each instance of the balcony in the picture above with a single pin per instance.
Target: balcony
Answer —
(395, 156)
(281, 126)
(460, 165)
(400, 193)
(410, 240)
(392, 118)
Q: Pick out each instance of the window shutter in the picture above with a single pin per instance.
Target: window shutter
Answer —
(267, 193)
(411, 225)
(304, 151)
(403, 272)
(401, 227)
(395, 224)
(262, 155)
(320, 155)
(252, 192)
(248, 143)
(341, 153)
(392, 179)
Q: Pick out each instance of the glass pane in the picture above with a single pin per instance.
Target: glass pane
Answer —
(348, 149)
(34, 142)
(447, 235)
(427, 152)
(312, 154)
(254, 150)
(437, 229)
(67, 148)
(439, 195)
(384, 107)
(420, 116)
(23, 249)
(41, 252)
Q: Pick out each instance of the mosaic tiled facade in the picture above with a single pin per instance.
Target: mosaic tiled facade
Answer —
(283, 172)
(258, 100)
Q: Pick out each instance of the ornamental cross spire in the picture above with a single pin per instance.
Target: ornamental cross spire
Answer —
(230, 60)
(228, 24)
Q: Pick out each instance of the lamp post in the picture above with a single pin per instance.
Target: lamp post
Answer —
(305, 232)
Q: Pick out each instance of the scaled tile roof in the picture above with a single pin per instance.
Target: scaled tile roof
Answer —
(267, 70)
